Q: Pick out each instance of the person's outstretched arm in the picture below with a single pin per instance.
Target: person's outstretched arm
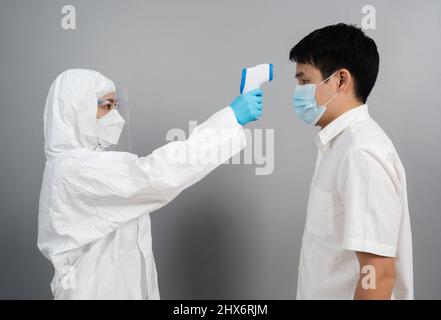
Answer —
(109, 188)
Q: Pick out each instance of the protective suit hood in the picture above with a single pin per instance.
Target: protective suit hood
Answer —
(70, 112)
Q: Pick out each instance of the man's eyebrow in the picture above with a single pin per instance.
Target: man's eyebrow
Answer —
(300, 74)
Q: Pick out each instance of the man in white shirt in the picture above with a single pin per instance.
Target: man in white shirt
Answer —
(357, 240)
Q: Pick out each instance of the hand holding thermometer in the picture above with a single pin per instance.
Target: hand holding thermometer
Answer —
(248, 106)
(255, 77)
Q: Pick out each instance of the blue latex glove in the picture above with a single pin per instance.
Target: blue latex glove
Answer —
(248, 106)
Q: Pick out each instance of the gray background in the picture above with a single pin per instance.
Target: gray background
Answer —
(235, 234)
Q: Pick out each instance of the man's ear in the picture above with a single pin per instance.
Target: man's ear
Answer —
(344, 80)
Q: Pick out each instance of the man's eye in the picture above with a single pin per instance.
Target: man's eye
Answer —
(305, 81)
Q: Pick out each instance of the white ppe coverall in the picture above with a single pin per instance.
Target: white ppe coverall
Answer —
(95, 205)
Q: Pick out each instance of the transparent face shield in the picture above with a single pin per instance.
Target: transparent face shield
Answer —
(121, 104)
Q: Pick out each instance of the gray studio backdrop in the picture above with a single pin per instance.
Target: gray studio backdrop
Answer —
(235, 234)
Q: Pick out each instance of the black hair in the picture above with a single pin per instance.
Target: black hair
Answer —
(341, 46)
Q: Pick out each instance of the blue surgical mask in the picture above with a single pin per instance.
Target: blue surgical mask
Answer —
(306, 105)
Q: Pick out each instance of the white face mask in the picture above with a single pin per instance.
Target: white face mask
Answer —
(109, 128)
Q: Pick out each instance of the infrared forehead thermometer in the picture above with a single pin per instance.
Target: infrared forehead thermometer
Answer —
(255, 77)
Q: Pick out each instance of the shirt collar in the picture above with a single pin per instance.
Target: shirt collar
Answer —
(338, 125)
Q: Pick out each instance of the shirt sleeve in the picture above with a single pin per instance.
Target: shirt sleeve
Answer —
(369, 189)
(100, 191)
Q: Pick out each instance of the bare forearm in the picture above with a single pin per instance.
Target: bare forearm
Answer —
(377, 277)
(382, 291)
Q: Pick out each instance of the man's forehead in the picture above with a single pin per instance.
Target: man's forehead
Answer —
(306, 70)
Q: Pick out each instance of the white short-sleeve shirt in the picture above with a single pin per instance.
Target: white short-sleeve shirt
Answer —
(357, 202)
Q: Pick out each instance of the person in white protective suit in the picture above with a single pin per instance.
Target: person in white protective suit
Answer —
(95, 205)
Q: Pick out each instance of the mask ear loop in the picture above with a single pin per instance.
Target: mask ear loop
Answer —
(335, 95)
(326, 79)
(330, 100)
